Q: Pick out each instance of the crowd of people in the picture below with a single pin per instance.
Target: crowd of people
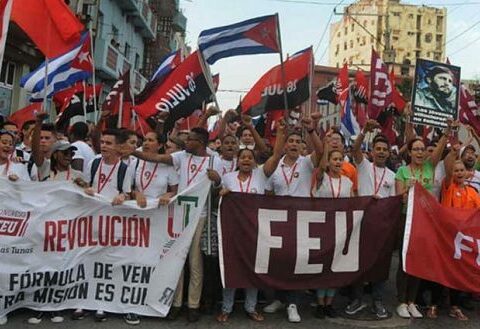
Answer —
(120, 165)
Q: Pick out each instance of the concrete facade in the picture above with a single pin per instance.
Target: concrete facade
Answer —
(412, 31)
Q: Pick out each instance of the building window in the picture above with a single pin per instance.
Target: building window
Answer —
(346, 30)
(428, 37)
(364, 41)
(345, 45)
(338, 35)
(7, 75)
(137, 61)
(164, 25)
(126, 53)
(353, 27)
(410, 16)
(395, 38)
(396, 14)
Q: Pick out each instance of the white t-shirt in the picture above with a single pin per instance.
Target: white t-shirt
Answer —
(255, 184)
(334, 187)
(83, 152)
(474, 181)
(69, 175)
(438, 178)
(108, 185)
(228, 166)
(367, 183)
(153, 179)
(12, 168)
(41, 173)
(294, 180)
(191, 168)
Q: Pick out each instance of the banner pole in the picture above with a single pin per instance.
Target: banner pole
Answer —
(310, 83)
(120, 112)
(96, 112)
(208, 75)
(282, 70)
(84, 101)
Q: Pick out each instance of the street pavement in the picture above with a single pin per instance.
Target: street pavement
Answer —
(238, 320)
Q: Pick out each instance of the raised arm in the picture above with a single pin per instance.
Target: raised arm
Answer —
(272, 162)
(154, 157)
(37, 154)
(259, 143)
(210, 111)
(312, 136)
(449, 162)
(357, 146)
(437, 153)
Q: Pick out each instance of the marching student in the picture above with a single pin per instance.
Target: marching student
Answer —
(374, 179)
(292, 177)
(43, 136)
(14, 171)
(249, 179)
(330, 182)
(420, 169)
(228, 154)
(78, 134)
(154, 180)
(111, 178)
(191, 164)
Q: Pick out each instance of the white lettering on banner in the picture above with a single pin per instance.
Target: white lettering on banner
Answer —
(378, 97)
(278, 90)
(265, 240)
(177, 94)
(347, 247)
(459, 246)
(346, 257)
(305, 243)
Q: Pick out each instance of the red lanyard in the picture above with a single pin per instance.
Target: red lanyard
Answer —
(100, 185)
(231, 168)
(377, 187)
(289, 181)
(248, 184)
(195, 170)
(339, 186)
(149, 179)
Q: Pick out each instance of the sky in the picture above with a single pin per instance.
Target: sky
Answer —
(302, 24)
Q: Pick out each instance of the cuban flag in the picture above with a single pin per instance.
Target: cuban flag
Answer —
(254, 36)
(167, 65)
(63, 71)
(349, 124)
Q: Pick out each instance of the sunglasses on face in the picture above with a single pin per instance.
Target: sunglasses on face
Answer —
(249, 147)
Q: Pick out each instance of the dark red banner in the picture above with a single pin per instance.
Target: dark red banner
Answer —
(442, 244)
(303, 243)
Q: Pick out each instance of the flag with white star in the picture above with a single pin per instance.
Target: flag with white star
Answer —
(258, 35)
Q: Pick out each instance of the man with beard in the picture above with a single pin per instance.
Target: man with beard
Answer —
(469, 158)
(440, 94)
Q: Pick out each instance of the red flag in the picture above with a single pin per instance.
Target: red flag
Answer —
(397, 98)
(65, 95)
(191, 121)
(468, 110)
(141, 126)
(342, 85)
(360, 95)
(380, 87)
(216, 81)
(272, 118)
(182, 92)
(121, 89)
(25, 114)
(267, 93)
(441, 243)
(5, 10)
(50, 24)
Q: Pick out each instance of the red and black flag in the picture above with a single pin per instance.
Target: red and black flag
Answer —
(267, 94)
(118, 102)
(182, 92)
(336, 88)
(75, 107)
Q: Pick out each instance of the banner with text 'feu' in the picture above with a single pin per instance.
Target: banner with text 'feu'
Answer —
(292, 243)
(61, 249)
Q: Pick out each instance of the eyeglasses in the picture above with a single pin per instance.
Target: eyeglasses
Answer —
(249, 147)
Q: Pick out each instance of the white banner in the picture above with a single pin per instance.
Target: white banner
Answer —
(61, 249)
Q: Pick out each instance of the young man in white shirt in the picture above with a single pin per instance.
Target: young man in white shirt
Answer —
(43, 138)
(108, 176)
(293, 177)
(191, 165)
(374, 179)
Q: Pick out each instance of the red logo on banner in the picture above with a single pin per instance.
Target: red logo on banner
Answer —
(13, 222)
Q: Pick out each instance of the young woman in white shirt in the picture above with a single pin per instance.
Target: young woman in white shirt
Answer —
(154, 180)
(8, 168)
(249, 179)
(330, 183)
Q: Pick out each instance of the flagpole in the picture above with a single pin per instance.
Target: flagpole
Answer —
(208, 75)
(282, 70)
(120, 112)
(84, 101)
(310, 83)
(96, 111)
(45, 86)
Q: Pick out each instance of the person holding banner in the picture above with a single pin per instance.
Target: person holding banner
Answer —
(329, 182)
(43, 138)
(374, 179)
(456, 193)
(154, 180)
(292, 177)
(249, 179)
(191, 164)
(420, 169)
